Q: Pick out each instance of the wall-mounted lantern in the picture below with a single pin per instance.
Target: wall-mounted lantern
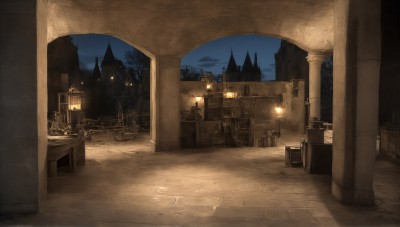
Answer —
(279, 111)
(209, 87)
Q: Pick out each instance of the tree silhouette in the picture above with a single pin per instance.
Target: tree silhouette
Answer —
(138, 61)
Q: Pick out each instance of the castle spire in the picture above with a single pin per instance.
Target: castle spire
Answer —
(255, 61)
(247, 69)
(96, 71)
(232, 71)
(108, 56)
(232, 66)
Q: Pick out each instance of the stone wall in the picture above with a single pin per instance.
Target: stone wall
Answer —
(292, 98)
(23, 105)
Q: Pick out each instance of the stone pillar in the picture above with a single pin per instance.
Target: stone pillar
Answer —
(23, 105)
(355, 99)
(165, 108)
(315, 61)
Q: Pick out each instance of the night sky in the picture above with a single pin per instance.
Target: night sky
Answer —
(211, 56)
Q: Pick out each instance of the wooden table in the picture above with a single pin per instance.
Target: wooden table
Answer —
(61, 146)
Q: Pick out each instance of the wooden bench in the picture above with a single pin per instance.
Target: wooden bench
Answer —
(61, 146)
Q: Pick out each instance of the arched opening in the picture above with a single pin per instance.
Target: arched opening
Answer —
(231, 99)
(225, 103)
(98, 100)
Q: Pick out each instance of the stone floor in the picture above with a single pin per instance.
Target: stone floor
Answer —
(125, 184)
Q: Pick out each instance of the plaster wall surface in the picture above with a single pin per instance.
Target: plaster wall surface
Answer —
(22, 105)
(167, 119)
(163, 26)
(367, 115)
(356, 81)
(341, 100)
(41, 21)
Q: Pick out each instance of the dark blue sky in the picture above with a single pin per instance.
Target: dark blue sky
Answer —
(211, 56)
(214, 55)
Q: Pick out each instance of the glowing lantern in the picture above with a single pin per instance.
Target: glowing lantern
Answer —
(278, 111)
(74, 100)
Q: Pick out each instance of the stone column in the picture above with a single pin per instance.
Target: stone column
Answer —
(23, 105)
(355, 99)
(315, 61)
(165, 108)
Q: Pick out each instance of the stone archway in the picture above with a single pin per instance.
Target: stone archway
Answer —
(166, 30)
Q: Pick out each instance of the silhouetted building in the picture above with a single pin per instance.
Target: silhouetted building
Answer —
(248, 72)
(291, 63)
(93, 92)
(62, 69)
(112, 88)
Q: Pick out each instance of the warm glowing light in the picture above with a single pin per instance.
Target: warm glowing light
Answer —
(112, 78)
(198, 98)
(278, 110)
(208, 86)
(74, 102)
(131, 84)
(75, 107)
(230, 95)
(82, 83)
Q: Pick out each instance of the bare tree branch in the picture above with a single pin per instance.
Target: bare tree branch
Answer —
(138, 61)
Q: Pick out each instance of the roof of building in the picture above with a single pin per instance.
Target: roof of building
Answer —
(247, 65)
(108, 56)
(232, 66)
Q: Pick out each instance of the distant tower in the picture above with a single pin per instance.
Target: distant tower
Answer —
(257, 70)
(107, 65)
(109, 57)
(113, 82)
(96, 74)
(247, 69)
(232, 72)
